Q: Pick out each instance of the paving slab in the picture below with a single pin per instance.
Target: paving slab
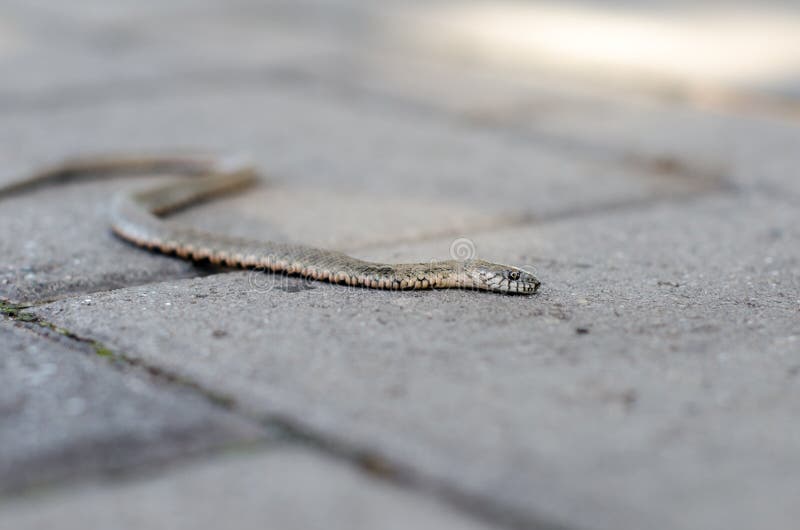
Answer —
(108, 49)
(653, 382)
(287, 488)
(748, 144)
(67, 414)
(57, 242)
(329, 218)
(753, 150)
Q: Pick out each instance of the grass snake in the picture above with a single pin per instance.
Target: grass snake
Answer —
(137, 217)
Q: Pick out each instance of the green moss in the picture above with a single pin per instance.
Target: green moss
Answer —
(8, 309)
(16, 312)
(101, 350)
(217, 399)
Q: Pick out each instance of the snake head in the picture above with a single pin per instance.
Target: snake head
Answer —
(500, 278)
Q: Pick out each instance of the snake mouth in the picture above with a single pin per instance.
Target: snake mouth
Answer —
(514, 287)
(523, 289)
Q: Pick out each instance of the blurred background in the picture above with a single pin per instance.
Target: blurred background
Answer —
(298, 84)
(708, 51)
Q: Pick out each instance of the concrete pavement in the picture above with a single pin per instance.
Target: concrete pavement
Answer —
(653, 382)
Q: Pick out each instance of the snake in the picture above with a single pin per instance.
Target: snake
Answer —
(138, 217)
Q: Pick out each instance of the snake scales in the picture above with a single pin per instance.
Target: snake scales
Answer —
(135, 217)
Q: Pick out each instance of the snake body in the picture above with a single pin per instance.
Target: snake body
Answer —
(137, 217)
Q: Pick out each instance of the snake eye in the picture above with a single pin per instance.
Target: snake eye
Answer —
(514, 275)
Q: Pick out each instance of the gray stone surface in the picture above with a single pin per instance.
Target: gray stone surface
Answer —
(290, 489)
(745, 142)
(66, 413)
(109, 50)
(345, 220)
(57, 241)
(651, 383)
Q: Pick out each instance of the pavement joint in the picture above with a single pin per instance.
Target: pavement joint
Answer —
(46, 329)
(522, 220)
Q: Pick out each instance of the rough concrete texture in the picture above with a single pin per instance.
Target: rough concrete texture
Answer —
(284, 488)
(651, 383)
(68, 248)
(66, 413)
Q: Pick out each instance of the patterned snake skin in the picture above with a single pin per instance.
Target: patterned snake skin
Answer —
(135, 217)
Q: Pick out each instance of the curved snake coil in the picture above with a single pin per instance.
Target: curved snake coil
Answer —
(135, 217)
